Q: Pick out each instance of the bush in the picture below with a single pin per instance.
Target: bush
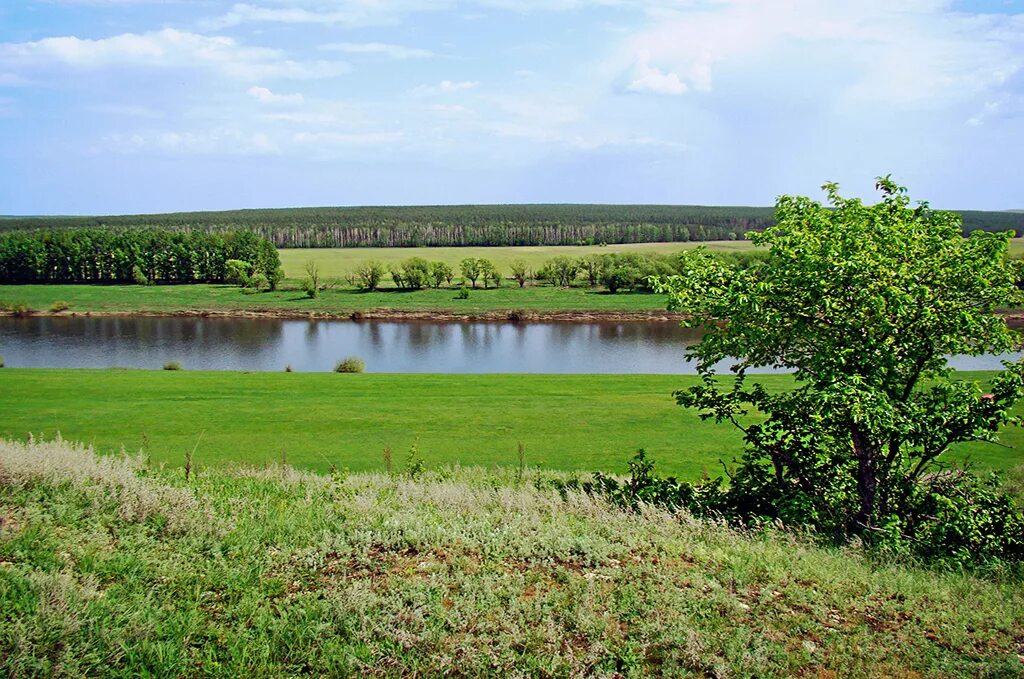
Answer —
(59, 306)
(463, 292)
(1, 361)
(351, 364)
(258, 281)
(17, 309)
(440, 273)
(275, 277)
(369, 275)
(311, 290)
(172, 365)
(138, 276)
(236, 271)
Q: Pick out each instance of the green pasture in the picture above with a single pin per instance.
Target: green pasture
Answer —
(342, 261)
(314, 420)
(339, 300)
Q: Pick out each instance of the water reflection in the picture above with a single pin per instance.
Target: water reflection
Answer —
(269, 344)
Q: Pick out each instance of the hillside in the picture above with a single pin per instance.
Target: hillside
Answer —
(110, 567)
(481, 225)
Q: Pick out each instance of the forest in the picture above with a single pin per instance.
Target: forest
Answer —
(473, 225)
(97, 255)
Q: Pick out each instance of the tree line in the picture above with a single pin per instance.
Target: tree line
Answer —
(473, 225)
(615, 271)
(133, 256)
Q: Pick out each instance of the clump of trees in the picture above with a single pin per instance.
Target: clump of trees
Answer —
(863, 304)
(142, 256)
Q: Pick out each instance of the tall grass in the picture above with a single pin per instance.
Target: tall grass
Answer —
(460, 571)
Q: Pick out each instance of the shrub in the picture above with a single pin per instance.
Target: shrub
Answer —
(172, 365)
(288, 368)
(59, 306)
(463, 292)
(275, 277)
(311, 290)
(369, 275)
(258, 281)
(351, 364)
(237, 271)
(415, 273)
(17, 309)
(138, 276)
(1, 361)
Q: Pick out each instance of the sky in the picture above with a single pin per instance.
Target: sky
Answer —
(128, 106)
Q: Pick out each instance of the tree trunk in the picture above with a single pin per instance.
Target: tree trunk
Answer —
(866, 454)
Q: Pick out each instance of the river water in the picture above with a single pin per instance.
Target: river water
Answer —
(271, 344)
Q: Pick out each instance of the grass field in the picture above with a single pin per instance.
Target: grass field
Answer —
(342, 261)
(567, 422)
(112, 569)
(340, 301)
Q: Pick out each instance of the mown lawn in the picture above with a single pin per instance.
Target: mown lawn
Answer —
(314, 420)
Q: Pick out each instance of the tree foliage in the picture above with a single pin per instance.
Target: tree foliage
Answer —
(130, 256)
(863, 303)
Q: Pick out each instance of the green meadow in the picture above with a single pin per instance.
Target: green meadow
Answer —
(577, 423)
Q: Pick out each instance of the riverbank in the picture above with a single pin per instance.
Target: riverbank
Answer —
(532, 303)
(578, 423)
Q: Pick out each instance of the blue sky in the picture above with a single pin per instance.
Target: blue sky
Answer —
(116, 106)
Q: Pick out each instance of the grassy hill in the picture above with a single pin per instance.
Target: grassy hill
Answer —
(110, 567)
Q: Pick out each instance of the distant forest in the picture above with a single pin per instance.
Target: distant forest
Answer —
(469, 225)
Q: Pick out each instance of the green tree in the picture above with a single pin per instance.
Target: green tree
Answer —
(490, 273)
(416, 273)
(863, 303)
(370, 274)
(520, 274)
(440, 273)
(470, 268)
(312, 284)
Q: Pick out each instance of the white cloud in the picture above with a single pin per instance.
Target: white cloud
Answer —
(399, 52)
(128, 110)
(652, 79)
(167, 48)
(446, 87)
(265, 96)
(347, 139)
(216, 141)
(872, 51)
(337, 13)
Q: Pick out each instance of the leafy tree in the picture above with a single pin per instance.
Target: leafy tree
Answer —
(369, 275)
(138, 277)
(471, 270)
(440, 273)
(863, 303)
(520, 274)
(275, 277)
(563, 270)
(593, 268)
(489, 273)
(416, 273)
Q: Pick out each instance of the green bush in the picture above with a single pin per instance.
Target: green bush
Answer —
(59, 306)
(172, 365)
(17, 309)
(351, 364)
(1, 361)
(237, 272)
(138, 276)
(463, 292)
(259, 281)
